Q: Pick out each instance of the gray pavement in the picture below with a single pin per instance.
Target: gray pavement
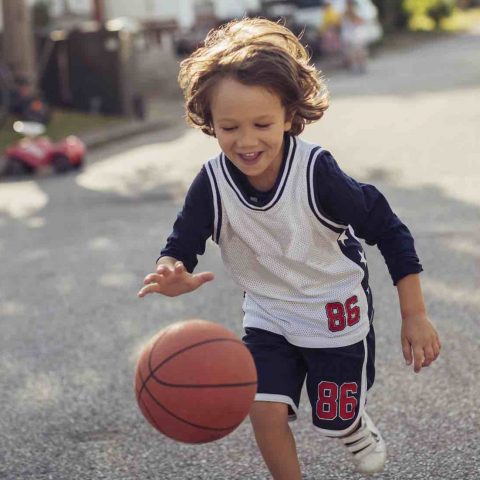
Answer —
(74, 250)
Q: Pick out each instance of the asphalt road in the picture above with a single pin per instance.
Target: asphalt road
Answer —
(74, 251)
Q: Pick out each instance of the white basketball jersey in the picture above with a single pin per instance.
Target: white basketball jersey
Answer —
(289, 258)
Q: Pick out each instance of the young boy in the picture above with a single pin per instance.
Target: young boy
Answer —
(287, 219)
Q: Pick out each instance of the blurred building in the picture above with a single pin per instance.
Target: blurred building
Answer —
(113, 65)
(184, 12)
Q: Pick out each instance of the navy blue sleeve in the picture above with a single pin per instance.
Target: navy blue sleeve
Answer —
(194, 224)
(346, 201)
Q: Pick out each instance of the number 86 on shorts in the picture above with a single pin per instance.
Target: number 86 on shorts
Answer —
(334, 401)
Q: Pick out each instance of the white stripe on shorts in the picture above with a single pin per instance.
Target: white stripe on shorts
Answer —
(271, 397)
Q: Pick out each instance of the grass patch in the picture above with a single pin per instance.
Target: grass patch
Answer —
(62, 124)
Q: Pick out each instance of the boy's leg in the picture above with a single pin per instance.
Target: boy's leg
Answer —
(281, 372)
(275, 439)
(337, 383)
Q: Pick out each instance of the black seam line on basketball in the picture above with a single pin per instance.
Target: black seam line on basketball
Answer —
(152, 418)
(139, 398)
(206, 385)
(216, 429)
(178, 352)
(150, 363)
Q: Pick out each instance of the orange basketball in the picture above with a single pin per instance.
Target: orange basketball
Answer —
(195, 381)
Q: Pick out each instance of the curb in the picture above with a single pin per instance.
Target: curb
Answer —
(100, 138)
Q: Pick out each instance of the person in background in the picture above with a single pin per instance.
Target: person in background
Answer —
(330, 29)
(354, 42)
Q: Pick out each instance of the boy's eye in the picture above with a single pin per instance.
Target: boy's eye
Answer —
(258, 125)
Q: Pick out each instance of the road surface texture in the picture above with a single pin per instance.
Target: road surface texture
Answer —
(74, 251)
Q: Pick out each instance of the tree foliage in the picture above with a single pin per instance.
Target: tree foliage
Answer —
(436, 10)
(396, 14)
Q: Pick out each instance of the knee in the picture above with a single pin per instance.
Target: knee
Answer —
(269, 415)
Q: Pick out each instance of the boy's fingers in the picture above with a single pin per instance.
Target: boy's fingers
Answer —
(179, 267)
(204, 277)
(164, 270)
(407, 351)
(429, 356)
(418, 359)
(150, 278)
(154, 278)
(157, 282)
(152, 287)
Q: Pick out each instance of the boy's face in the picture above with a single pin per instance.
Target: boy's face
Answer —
(249, 123)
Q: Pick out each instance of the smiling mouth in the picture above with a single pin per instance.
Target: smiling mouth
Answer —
(249, 158)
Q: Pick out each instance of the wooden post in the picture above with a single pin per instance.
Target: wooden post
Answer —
(18, 41)
(99, 10)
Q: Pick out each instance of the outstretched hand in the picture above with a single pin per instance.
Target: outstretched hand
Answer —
(173, 280)
(420, 341)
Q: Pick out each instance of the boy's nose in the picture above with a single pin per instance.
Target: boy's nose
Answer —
(246, 139)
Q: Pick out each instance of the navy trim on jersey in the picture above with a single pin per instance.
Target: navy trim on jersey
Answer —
(367, 211)
(289, 155)
(217, 205)
(315, 206)
(353, 250)
(290, 158)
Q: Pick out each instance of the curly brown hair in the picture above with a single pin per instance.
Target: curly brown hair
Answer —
(254, 51)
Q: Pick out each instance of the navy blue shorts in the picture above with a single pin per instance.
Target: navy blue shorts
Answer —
(337, 379)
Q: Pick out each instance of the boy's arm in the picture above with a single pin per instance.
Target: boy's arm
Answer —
(193, 225)
(172, 279)
(344, 200)
(420, 341)
(173, 274)
(363, 207)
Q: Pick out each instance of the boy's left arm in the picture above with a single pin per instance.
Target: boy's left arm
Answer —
(420, 340)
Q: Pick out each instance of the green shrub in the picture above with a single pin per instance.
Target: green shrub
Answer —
(441, 9)
(436, 10)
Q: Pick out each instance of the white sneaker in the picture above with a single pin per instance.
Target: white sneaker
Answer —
(366, 447)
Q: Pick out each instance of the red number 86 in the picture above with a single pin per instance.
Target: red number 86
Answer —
(340, 316)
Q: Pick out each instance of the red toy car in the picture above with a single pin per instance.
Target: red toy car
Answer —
(36, 151)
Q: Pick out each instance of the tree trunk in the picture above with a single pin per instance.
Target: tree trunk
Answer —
(18, 41)
(99, 10)
(392, 14)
